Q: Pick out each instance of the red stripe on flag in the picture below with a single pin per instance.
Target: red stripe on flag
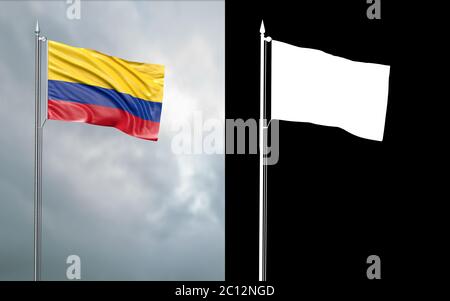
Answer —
(105, 116)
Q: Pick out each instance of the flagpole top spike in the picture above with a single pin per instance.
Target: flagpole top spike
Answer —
(37, 29)
(262, 29)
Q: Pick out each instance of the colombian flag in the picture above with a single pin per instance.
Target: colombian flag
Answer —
(88, 86)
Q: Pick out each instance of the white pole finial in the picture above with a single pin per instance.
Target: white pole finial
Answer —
(37, 30)
(262, 29)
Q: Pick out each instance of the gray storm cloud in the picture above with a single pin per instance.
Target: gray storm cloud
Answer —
(130, 208)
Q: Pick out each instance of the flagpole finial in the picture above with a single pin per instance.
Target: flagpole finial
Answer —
(262, 29)
(37, 30)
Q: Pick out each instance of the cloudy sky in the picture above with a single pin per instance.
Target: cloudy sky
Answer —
(130, 208)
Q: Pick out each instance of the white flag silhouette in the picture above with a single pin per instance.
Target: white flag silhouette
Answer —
(312, 86)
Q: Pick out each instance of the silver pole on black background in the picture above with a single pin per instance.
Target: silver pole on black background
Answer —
(262, 169)
(263, 129)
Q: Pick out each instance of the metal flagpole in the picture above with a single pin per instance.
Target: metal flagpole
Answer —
(37, 159)
(262, 160)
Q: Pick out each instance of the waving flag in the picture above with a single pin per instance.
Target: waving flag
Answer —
(309, 85)
(88, 86)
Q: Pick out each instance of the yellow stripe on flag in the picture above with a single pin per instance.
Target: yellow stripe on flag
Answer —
(90, 67)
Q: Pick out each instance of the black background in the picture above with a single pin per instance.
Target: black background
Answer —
(333, 198)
